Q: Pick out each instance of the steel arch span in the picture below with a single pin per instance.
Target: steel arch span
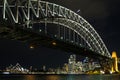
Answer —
(37, 11)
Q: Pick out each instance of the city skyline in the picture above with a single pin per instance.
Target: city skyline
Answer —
(72, 66)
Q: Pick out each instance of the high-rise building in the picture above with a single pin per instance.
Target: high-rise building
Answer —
(86, 64)
(79, 67)
(65, 67)
(44, 68)
(71, 63)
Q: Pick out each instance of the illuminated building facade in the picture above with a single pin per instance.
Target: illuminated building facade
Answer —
(71, 63)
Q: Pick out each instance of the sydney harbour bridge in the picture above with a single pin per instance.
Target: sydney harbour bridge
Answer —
(48, 24)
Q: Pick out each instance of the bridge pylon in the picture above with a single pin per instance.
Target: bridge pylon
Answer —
(115, 62)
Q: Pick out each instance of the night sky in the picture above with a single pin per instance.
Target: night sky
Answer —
(103, 15)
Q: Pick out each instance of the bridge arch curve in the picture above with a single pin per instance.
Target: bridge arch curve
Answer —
(37, 11)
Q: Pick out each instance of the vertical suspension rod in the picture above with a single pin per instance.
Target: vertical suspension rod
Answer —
(74, 36)
(46, 14)
(4, 9)
(69, 35)
(64, 33)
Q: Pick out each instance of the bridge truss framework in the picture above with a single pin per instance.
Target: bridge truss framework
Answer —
(30, 12)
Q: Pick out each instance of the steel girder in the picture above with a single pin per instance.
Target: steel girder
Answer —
(60, 15)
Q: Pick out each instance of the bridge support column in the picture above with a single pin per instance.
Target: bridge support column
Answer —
(114, 63)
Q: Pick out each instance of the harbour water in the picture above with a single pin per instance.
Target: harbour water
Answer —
(60, 77)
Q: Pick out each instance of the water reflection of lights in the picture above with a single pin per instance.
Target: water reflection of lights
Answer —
(29, 77)
(52, 77)
(70, 77)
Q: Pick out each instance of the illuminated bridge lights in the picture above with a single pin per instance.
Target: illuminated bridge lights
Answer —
(31, 47)
(28, 14)
(74, 28)
(54, 43)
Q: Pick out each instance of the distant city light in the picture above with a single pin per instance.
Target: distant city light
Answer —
(40, 30)
(61, 37)
(55, 35)
(31, 47)
(54, 43)
(78, 10)
(6, 73)
(30, 27)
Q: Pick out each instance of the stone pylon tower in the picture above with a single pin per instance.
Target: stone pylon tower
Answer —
(115, 62)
